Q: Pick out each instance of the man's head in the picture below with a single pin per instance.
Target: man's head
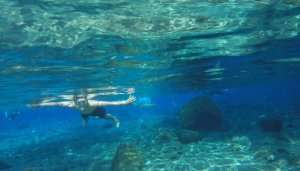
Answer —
(81, 103)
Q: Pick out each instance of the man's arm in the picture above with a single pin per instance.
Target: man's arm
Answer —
(130, 100)
(62, 104)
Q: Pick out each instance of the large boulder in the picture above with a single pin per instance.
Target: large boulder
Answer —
(271, 124)
(201, 114)
(127, 158)
(187, 136)
(164, 136)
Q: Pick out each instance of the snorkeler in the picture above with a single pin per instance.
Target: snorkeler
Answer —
(92, 108)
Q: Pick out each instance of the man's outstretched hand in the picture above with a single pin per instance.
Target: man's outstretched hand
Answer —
(131, 99)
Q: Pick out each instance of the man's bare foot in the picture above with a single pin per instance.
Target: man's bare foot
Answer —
(118, 124)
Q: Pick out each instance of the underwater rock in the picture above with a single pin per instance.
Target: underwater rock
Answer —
(270, 158)
(127, 158)
(4, 165)
(290, 155)
(294, 159)
(264, 154)
(201, 113)
(164, 136)
(188, 136)
(100, 165)
(33, 169)
(269, 124)
(241, 143)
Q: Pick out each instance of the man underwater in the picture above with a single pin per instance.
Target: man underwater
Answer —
(92, 108)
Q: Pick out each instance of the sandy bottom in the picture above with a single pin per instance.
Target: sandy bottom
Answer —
(66, 147)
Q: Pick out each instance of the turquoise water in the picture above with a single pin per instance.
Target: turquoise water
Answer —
(216, 85)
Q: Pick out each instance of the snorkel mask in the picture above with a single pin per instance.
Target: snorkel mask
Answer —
(81, 103)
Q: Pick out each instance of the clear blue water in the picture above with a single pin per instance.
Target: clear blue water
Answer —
(244, 56)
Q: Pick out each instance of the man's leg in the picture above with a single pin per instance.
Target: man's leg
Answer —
(85, 121)
(113, 118)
